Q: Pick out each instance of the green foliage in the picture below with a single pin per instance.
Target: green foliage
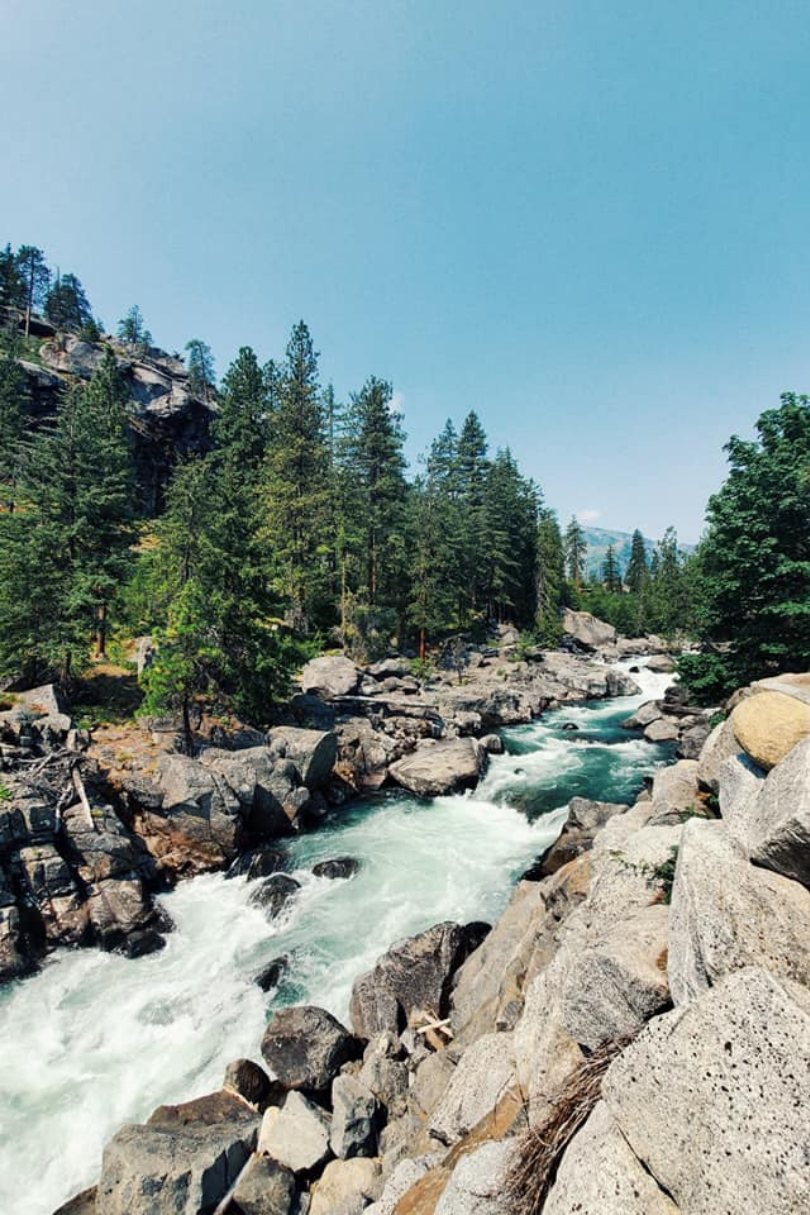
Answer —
(752, 577)
(66, 304)
(576, 549)
(5, 793)
(133, 331)
(550, 579)
(200, 369)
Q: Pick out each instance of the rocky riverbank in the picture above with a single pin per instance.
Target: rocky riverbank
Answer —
(633, 1035)
(91, 829)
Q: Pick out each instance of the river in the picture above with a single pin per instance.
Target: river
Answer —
(96, 1040)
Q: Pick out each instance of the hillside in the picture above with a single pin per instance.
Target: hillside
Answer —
(600, 538)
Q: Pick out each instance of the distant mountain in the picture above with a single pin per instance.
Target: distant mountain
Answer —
(599, 538)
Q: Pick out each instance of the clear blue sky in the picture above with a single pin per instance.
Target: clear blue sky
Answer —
(586, 220)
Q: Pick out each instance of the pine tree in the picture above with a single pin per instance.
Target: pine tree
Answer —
(133, 331)
(242, 424)
(611, 573)
(66, 304)
(473, 468)
(576, 548)
(12, 286)
(550, 578)
(432, 595)
(296, 485)
(200, 369)
(64, 553)
(35, 277)
(13, 420)
(510, 541)
(637, 570)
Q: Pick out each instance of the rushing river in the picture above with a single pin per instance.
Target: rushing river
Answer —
(96, 1040)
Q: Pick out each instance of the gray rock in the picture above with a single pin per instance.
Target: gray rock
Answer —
(585, 818)
(599, 1175)
(707, 1097)
(483, 1074)
(274, 893)
(661, 663)
(271, 975)
(305, 1047)
(727, 914)
(297, 1135)
(267, 1188)
(330, 676)
(430, 1081)
(586, 630)
(45, 700)
(346, 1187)
(740, 782)
(200, 814)
(619, 981)
(675, 792)
(184, 1159)
(476, 1186)
(355, 1118)
(645, 715)
(337, 867)
(405, 1175)
(441, 768)
(52, 890)
(414, 974)
(385, 1075)
(80, 1204)
(492, 744)
(663, 730)
(778, 835)
(248, 1080)
(312, 751)
(719, 746)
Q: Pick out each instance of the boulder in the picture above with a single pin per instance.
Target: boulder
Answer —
(346, 1187)
(274, 893)
(675, 792)
(707, 1097)
(258, 863)
(618, 981)
(312, 751)
(492, 744)
(797, 685)
(404, 1176)
(248, 1080)
(645, 715)
(355, 1118)
(414, 974)
(337, 867)
(52, 890)
(477, 1184)
(44, 701)
(484, 1073)
(586, 630)
(198, 826)
(80, 1204)
(185, 1158)
(599, 1175)
(441, 768)
(585, 818)
(719, 746)
(266, 1188)
(692, 740)
(271, 975)
(330, 676)
(663, 730)
(660, 663)
(305, 1047)
(775, 825)
(769, 725)
(297, 1135)
(740, 782)
(15, 959)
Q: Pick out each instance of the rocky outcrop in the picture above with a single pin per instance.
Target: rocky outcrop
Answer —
(769, 725)
(329, 677)
(305, 1047)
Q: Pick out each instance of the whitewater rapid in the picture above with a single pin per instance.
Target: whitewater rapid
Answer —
(96, 1040)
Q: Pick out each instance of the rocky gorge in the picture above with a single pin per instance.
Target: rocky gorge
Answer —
(633, 1034)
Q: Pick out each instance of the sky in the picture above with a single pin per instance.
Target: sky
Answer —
(587, 221)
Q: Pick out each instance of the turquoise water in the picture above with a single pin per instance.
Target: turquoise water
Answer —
(96, 1040)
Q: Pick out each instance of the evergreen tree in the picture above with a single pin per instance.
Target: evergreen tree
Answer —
(510, 541)
(65, 552)
(12, 286)
(66, 304)
(200, 369)
(35, 277)
(242, 424)
(432, 595)
(752, 576)
(133, 331)
(550, 578)
(473, 467)
(296, 485)
(611, 573)
(576, 548)
(13, 419)
(637, 568)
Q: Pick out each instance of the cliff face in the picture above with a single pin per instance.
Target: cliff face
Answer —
(167, 421)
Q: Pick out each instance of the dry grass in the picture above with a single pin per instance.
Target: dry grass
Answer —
(541, 1148)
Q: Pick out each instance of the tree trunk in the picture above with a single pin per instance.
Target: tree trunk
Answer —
(101, 631)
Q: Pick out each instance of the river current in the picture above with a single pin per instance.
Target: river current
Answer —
(96, 1040)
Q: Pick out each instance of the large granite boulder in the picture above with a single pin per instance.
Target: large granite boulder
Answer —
(477, 1185)
(484, 1073)
(330, 676)
(312, 751)
(719, 746)
(184, 1159)
(727, 914)
(708, 1097)
(769, 725)
(266, 1188)
(297, 1134)
(675, 792)
(441, 768)
(599, 1175)
(52, 890)
(585, 818)
(587, 630)
(778, 819)
(355, 1118)
(346, 1187)
(416, 973)
(305, 1047)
